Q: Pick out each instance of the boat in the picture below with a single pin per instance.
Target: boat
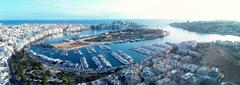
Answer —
(161, 45)
(107, 47)
(88, 50)
(66, 53)
(84, 62)
(71, 64)
(80, 52)
(141, 50)
(48, 59)
(104, 61)
(91, 50)
(97, 62)
(119, 58)
(76, 65)
(104, 47)
(101, 47)
(125, 56)
(151, 48)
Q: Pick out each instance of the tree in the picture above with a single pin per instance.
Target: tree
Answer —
(23, 78)
(55, 82)
(44, 80)
(65, 80)
(48, 73)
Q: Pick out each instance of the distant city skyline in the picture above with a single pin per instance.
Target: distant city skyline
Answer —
(119, 9)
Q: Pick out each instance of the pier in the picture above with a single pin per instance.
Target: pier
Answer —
(141, 50)
(104, 47)
(83, 60)
(125, 56)
(119, 58)
(90, 50)
(104, 61)
(97, 62)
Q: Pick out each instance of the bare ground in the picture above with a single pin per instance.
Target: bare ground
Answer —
(224, 58)
(69, 45)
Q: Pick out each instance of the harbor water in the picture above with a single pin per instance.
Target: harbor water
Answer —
(176, 35)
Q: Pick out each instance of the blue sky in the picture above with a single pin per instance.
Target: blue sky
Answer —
(119, 9)
(57, 9)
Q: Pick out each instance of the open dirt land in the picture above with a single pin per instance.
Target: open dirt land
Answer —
(224, 58)
(70, 45)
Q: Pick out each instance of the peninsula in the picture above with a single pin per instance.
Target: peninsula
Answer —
(129, 35)
(211, 27)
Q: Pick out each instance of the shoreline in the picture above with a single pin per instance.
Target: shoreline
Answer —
(210, 27)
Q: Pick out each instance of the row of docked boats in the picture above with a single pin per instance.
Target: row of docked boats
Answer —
(69, 64)
(142, 50)
(101, 62)
(45, 58)
(153, 49)
(104, 47)
(125, 56)
(104, 61)
(62, 63)
(122, 57)
(90, 50)
(128, 40)
(83, 60)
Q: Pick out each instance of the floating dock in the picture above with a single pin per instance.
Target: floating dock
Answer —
(104, 61)
(104, 47)
(119, 58)
(151, 48)
(97, 62)
(125, 56)
(84, 62)
(141, 50)
(91, 50)
(80, 52)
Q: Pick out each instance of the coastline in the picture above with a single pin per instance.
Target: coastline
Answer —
(210, 27)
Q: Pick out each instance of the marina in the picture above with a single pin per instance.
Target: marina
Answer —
(104, 61)
(80, 53)
(104, 47)
(142, 50)
(84, 62)
(117, 53)
(97, 62)
(151, 48)
(125, 56)
(90, 50)
(119, 58)
(101, 47)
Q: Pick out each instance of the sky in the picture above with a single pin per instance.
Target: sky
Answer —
(119, 9)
